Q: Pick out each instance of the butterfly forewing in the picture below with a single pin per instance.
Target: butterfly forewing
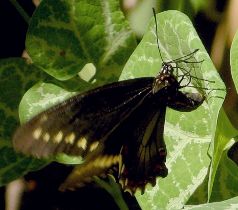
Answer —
(81, 124)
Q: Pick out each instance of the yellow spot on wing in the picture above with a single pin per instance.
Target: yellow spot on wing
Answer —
(43, 118)
(105, 161)
(108, 161)
(126, 182)
(70, 138)
(46, 137)
(82, 143)
(37, 133)
(58, 137)
(93, 146)
(116, 159)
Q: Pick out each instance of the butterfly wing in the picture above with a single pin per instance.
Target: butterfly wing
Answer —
(81, 124)
(137, 145)
(144, 154)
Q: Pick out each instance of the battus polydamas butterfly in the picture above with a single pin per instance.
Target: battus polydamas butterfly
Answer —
(118, 125)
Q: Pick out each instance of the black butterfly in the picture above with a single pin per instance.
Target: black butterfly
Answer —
(118, 125)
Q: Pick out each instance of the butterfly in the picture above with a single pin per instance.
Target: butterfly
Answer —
(118, 126)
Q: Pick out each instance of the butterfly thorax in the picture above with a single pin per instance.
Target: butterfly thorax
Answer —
(165, 80)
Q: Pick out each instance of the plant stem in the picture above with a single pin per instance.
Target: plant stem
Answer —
(113, 189)
(21, 11)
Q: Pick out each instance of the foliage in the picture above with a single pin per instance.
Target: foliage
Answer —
(64, 37)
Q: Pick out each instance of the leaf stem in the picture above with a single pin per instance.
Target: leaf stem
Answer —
(113, 189)
(22, 12)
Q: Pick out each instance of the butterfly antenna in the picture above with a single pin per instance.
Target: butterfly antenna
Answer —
(204, 88)
(186, 57)
(209, 93)
(157, 38)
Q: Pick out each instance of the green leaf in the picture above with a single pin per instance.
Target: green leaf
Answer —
(221, 172)
(223, 179)
(226, 179)
(189, 7)
(228, 204)
(187, 135)
(184, 6)
(67, 159)
(64, 36)
(16, 77)
(201, 193)
(13, 165)
(234, 60)
(40, 97)
(224, 133)
(113, 189)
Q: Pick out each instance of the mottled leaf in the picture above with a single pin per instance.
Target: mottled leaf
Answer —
(16, 77)
(187, 135)
(64, 36)
(227, 204)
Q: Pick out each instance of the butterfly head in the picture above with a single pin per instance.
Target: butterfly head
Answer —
(165, 79)
(167, 68)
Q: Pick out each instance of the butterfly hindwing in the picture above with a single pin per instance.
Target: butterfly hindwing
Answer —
(144, 152)
(80, 124)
